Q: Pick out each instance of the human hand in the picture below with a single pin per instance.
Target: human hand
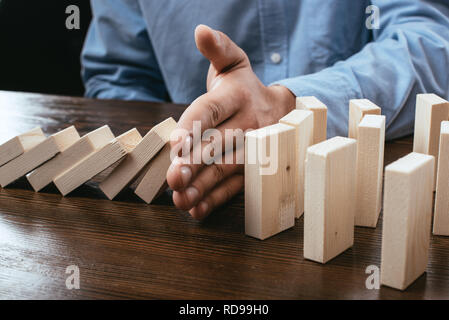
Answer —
(236, 99)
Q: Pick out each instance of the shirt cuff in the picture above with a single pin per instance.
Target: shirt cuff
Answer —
(330, 87)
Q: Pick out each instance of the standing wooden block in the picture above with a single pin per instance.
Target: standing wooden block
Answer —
(358, 108)
(153, 178)
(319, 110)
(85, 146)
(97, 162)
(20, 144)
(37, 155)
(330, 193)
(302, 121)
(270, 187)
(430, 111)
(441, 213)
(370, 164)
(133, 164)
(406, 219)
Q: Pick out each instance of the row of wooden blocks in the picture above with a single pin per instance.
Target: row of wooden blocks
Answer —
(337, 184)
(68, 160)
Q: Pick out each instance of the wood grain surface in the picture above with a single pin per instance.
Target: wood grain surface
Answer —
(128, 249)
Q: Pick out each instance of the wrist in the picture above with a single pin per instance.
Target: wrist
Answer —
(282, 99)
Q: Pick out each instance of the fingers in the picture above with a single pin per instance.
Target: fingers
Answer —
(216, 106)
(218, 196)
(209, 110)
(221, 51)
(184, 169)
(206, 112)
(227, 146)
(206, 180)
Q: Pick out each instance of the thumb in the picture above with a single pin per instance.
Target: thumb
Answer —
(221, 51)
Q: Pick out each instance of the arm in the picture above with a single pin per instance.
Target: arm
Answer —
(118, 59)
(409, 55)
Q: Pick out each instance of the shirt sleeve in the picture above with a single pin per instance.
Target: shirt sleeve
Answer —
(118, 60)
(409, 54)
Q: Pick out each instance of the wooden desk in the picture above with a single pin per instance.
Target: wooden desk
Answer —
(127, 249)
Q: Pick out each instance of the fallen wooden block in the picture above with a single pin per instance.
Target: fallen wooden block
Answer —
(370, 164)
(302, 121)
(441, 213)
(430, 111)
(358, 108)
(133, 164)
(153, 177)
(85, 146)
(270, 191)
(319, 110)
(37, 155)
(20, 144)
(97, 162)
(330, 193)
(406, 219)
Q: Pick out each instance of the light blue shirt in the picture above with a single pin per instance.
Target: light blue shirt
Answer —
(145, 50)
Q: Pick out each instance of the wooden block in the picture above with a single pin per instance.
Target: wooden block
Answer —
(37, 155)
(330, 193)
(370, 164)
(319, 110)
(270, 190)
(154, 176)
(430, 111)
(441, 213)
(85, 146)
(20, 144)
(97, 162)
(133, 164)
(406, 219)
(358, 108)
(302, 121)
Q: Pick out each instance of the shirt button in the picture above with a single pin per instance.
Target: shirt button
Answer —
(275, 58)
